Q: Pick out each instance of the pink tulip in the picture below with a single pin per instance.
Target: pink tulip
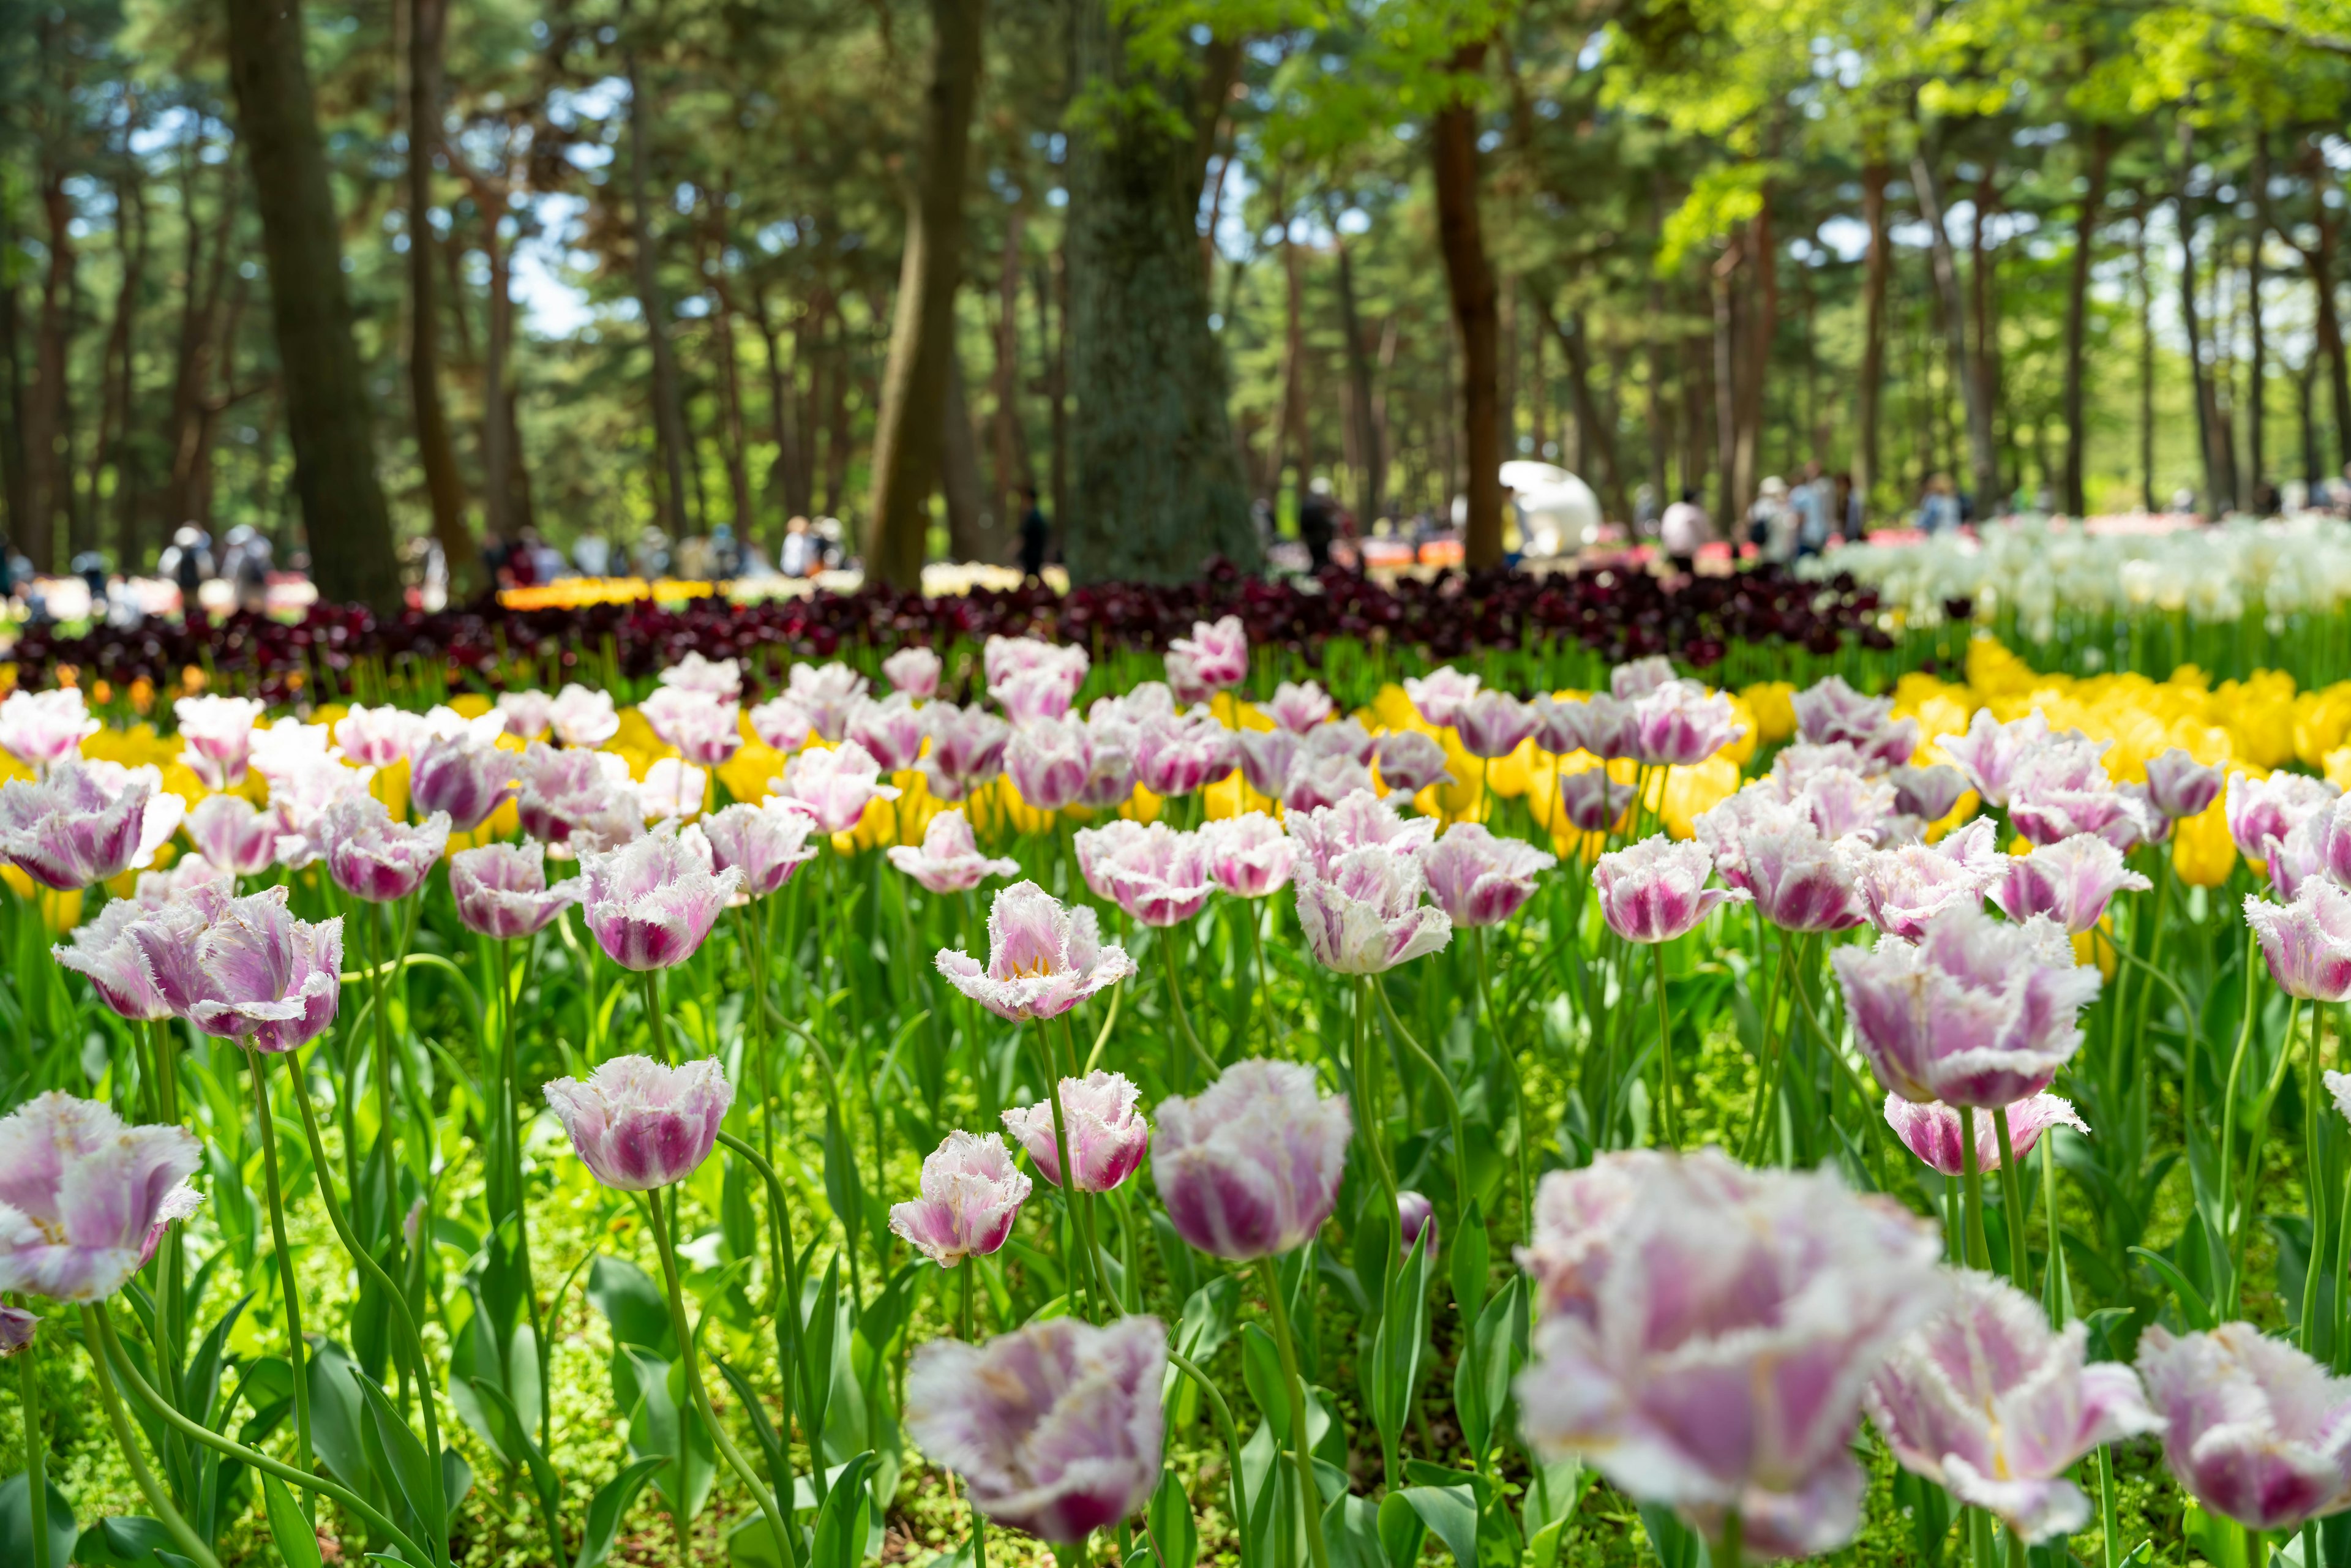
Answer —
(1042, 959)
(1249, 856)
(1055, 1428)
(1931, 1130)
(2060, 788)
(1759, 807)
(1109, 1134)
(573, 793)
(1360, 820)
(835, 785)
(1266, 757)
(1839, 803)
(1990, 751)
(781, 725)
(972, 1193)
(1299, 709)
(1656, 890)
(706, 728)
(379, 736)
(581, 715)
(1709, 1331)
(2179, 786)
(302, 797)
(1157, 875)
(2071, 881)
(17, 1327)
(41, 729)
(1249, 1167)
(464, 778)
(1927, 793)
(2327, 832)
(1803, 882)
(825, 693)
(1005, 657)
(501, 890)
(1411, 761)
(892, 730)
(1049, 762)
(1592, 802)
(1438, 695)
(767, 843)
(1985, 1400)
(639, 1124)
(1636, 678)
(914, 673)
(1602, 725)
(1479, 878)
(245, 969)
(157, 888)
(1978, 1013)
(1365, 916)
(374, 858)
(1909, 886)
(216, 737)
(1492, 723)
(1416, 1222)
(671, 790)
(1110, 780)
(78, 1193)
(650, 902)
(231, 832)
(1218, 654)
(67, 831)
(2253, 1428)
(1175, 756)
(1045, 692)
(1831, 711)
(721, 678)
(1317, 783)
(528, 714)
(949, 860)
(105, 953)
(1681, 724)
(966, 749)
(158, 820)
(1347, 737)
(2308, 941)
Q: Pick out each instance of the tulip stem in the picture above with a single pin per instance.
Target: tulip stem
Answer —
(1262, 1013)
(1971, 1175)
(1368, 1111)
(2011, 1197)
(2314, 1085)
(1224, 1414)
(789, 1356)
(1071, 1199)
(654, 1019)
(2107, 1523)
(2256, 1549)
(1462, 1196)
(978, 1528)
(2224, 1253)
(1666, 1119)
(1164, 937)
(183, 1535)
(287, 1285)
(1732, 1552)
(1517, 1090)
(1310, 1496)
(37, 1454)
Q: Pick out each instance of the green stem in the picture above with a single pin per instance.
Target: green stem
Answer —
(2011, 1197)
(1310, 1496)
(1732, 1551)
(1667, 1117)
(1164, 938)
(182, 1533)
(1067, 1185)
(978, 1526)
(1518, 1088)
(286, 1284)
(37, 1454)
(1369, 1117)
(1461, 1193)
(2313, 1088)
(788, 1288)
(1224, 1414)
(1978, 1248)
(658, 1024)
(1262, 1013)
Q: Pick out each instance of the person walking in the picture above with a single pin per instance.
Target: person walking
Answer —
(1036, 537)
(1683, 530)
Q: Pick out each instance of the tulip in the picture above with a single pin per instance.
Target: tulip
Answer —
(1365, 916)
(1049, 762)
(2179, 786)
(105, 953)
(80, 1192)
(706, 728)
(374, 858)
(1492, 723)
(1316, 783)
(1839, 803)
(583, 716)
(892, 730)
(835, 785)
(463, 779)
(2307, 941)
(1636, 678)
(303, 796)
(1175, 756)
(1984, 1400)
(1438, 695)
(501, 890)
(966, 749)
(157, 888)
(1804, 881)
(1416, 1222)
(972, 1193)
(825, 693)
(2060, 788)
(1592, 802)
(159, 818)
(1249, 856)
(781, 725)
(67, 830)
(1709, 1332)
(1990, 751)
(1046, 692)
(1249, 1168)
(650, 902)
(17, 1327)
(1218, 654)
(1411, 761)
(1932, 1131)
(949, 860)
(1907, 886)
(1927, 793)
(2071, 881)
(1055, 1428)
(1360, 820)
(289, 746)
(1109, 781)
(1347, 737)
(1108, 1133)
(233, 833)
(216, 737)
(379, 736)
(1299, 709)
(2254, 1429)
(1004, 657)
(1978, 1013)
(1681, 723)
(1725, 829)
(41, 729)
(639, 1124)
(1656, 890)
(914, 673)
(718, 677)
(528, 714)
(563, 791)
(1602, 725)
(1266, 757)
(1157, 875)
(1832, 712)
(1481, 880)
(671, 790)
(246, 968)
(1042, 959)
(767, 843)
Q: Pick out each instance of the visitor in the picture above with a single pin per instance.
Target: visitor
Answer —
(246, 564)
(187, 561)
(726, 555)
(1644, 512)
(1852, 525)
(798, 557)
(1938, 508)
(1771, 522)
(1317, 522)
(1683, 530)
(1811, 501)
(1036, 537)
(591, 555)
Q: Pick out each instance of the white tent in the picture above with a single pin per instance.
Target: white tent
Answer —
(1559, 514)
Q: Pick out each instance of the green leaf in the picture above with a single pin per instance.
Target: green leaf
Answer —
(1401, 1531)
(2192, 1305)
(1451, 1515)
(1676, 1543)
(1174, 1536)
(16, 1521)
(1473, 1255)
(289, 1529)
(1268, 1385)
(394, 1452)
(839, 1538)
(609, 1508)
(1350, 1528)
(130, 1541)
(542, 1473)
(632, 1304)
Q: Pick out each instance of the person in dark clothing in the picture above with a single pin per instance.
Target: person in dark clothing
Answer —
(1036, 533)
(1317, 521)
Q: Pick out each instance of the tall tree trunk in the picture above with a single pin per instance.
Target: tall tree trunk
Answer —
(1155, 480)
(789, 465)
(1728, 508)
(2306, 404)
(922, 332)
(837, 432)
(2075, 499)
(48, 424)
(1764, 249)
(1052, 284)
(1870, 395)
(1596, 434)
(1983, 461)
(1295, 443)
(2328, 322)
(497, 396)
(2215, 495)
(1983, 311)
(973, 534)
(1469, 277)
(117, 446)
(1371, 461)
(437, 450)
(669, 405)
(2146, 362)
(16, 479)
(322, 386)
(2249, 483)
(1008, 448)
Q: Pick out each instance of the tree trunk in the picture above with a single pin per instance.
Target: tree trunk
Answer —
(1727, 505)
(497, 397)
(1295, 443)
(1982, 460)
(322, 385)
(437, 450)
(48, 420)
(1869, 395)
(1371, 473)
(16, 489)
(2146, 363)
(1763, 249)
(836, 435)
(1007, 449)
(2306, 404)
(922, 333)
(2249, 483)
(1154, 484)
(117, 444)
(1596, 433)
(785, 471)
(2077, 320)
(1052, 281)
(2328, 323)
(1983, 309)
(1469, 277)
(2207, 411)
(669, 407)
(973, 533)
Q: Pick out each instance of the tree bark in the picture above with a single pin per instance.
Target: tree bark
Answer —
(1370, 475)
(1982, 460)
(973, 533)
(2249, 483)
(1155, 480)
(2215, 495)
(1008, 448)
(2077, 320)
(1763, 249)
(116, 444)
(437, 450)
(1729, 509)
(1469, 277)
(16, 489)
(907, 438)
(786, 471)
(1596, 432)
(1869, 395)
(323, 389)
(2145, 365)
(497, 397)
(669, 407)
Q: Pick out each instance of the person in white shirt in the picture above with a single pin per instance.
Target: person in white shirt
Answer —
(1683, 529)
